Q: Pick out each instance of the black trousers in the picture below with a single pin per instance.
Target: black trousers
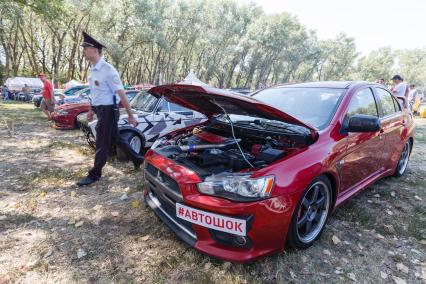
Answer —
(106, 137)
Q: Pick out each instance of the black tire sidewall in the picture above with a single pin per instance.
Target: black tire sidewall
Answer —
(293, 240)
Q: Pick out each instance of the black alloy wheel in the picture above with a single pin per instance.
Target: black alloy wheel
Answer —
(311, 214)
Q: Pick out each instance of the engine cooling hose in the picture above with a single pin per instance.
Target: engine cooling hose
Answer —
(194, 147)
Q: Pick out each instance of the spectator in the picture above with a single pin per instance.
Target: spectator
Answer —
(412, 95)
(5, 93)
(26, 89)
(399, 88)
(381, 81)
(48, 102)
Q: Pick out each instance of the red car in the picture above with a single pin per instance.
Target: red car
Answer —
(266, 170)
(65, 115)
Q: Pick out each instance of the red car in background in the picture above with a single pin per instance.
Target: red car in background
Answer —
(65, 115)
(266, 170)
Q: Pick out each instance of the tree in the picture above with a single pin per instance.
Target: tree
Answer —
(378, 64)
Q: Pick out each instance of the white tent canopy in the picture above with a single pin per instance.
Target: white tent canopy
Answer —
(191, 79)
(71, 84)
(17, 83)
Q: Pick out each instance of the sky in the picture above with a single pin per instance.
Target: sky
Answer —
(372, 23)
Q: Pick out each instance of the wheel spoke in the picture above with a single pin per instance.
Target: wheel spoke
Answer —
(320, 202)
(315, 194)
(302, 220)
(318, 216)
(308, 227)
(306, 203)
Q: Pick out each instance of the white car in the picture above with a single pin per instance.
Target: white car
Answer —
(156, 117)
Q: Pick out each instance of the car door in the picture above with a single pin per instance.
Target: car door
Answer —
(363, 157)
(392, 122)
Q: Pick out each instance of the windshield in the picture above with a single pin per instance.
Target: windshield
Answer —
(130, 95)
(73, 90)
(314, 106)
(144, 102)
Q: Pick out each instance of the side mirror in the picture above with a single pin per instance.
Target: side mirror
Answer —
(361, 123)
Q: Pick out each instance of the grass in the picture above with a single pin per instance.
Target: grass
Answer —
(20, 112)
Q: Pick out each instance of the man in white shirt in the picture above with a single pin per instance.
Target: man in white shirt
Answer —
(399, 89)
(106, 92)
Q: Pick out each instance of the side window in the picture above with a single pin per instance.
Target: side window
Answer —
(387, 102)
(175, 107)
(163, 106)
(362, 102)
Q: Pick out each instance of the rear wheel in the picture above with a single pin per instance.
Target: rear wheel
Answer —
(401, 168)
(311, 214)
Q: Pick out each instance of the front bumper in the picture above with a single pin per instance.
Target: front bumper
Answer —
(63, 121)
(267, 220)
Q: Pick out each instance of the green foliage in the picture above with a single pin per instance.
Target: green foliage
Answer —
(227, 43)
(378, 64)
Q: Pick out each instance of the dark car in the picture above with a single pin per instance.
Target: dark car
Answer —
(267, 170)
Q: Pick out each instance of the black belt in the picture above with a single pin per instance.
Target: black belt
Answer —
(95, 108)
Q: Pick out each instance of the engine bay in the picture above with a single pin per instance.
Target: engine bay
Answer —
(212, 149)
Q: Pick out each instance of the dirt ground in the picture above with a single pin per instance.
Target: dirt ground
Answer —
(51, 231)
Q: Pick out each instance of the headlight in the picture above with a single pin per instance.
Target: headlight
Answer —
(238, 187)
(62, 112)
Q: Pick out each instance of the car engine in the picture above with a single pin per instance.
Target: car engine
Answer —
(212, 149)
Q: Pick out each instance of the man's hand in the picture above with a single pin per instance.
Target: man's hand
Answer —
(132, 120)
(90, 115)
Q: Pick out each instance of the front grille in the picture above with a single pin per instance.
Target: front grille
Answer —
(163, 178)
(167, 191)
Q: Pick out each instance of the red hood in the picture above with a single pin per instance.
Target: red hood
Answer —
(210, 102)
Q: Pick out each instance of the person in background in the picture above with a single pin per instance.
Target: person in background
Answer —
(47, 104)
(399, 88)
(412, 95)
(26, 89)
(381, 81)
(5, 93)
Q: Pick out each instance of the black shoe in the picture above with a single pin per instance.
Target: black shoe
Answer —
(137, 165)
(86, 181)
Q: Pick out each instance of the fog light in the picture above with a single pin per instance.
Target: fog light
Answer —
(231, 239)
(240, 240)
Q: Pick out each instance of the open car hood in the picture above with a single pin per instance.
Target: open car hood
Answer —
(212, 101)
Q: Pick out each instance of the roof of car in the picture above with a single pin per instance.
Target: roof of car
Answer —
(325, 84)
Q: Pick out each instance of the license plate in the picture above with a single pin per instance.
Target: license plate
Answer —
(210, 220)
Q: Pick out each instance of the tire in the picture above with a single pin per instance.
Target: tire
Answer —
(404, 157)
(311, 214)
(136, 142)
(77, 124)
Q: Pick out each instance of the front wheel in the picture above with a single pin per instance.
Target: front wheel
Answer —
(134, 140)
(401, 168)
(311, 214)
